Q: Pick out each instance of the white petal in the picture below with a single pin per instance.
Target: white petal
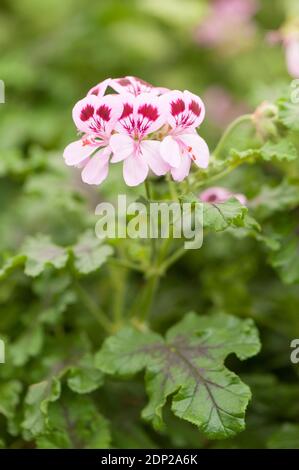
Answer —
(96, 170)
(180, 173)
(76, 152)
(150, 150)
(198, 149)
(135, 170)
(170, 151)
(122, 146)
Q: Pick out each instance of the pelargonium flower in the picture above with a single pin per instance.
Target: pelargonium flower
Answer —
(145, 131)
(142, 115)
(184, 111)
(96, 118)
(220, 194)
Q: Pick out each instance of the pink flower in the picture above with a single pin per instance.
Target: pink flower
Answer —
(292, 55)
(220, 194)
(141, 116)
(290, 41)
(96, 118)
(228, 26)
(127, 84)
(184, 112)
(222, 108)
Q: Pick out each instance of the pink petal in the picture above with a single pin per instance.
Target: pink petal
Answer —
(77, 152)
(122, 146)
(197, 148)
(292, 57)
(148, 113)
(215, 194)
(183, 109)
(98, 116)
(150, 151)
(100, 89)
(135, 170)
(182, 171)
(126, 122)
(170, 151)
(96, 170)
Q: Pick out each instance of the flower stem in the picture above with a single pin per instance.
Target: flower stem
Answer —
(228, 131)
(93, 309)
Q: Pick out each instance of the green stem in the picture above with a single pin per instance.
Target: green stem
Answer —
(172, 259)
(93, 309)
(126, 264)
(172, 188)
(228, 131)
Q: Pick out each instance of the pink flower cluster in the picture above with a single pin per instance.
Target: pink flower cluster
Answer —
(145, 127)
(229, 24)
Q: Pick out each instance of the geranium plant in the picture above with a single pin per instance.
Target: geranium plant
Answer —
(106, 347)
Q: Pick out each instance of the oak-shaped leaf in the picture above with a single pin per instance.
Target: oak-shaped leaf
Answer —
(289, 113)
(221, 215)
(75, 423)
(188, 365)
(90, 253)
(41, 252)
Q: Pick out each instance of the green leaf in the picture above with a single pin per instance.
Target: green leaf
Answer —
(11, 264)
(41, 252)
(84, 378)
(284, 196)
(219, 216)
(286, 437)
(28, 345)
(38, 397)
(90, 253)
(282, 150)
(285, 259)
(289, 113)
(189, 366)
(9, 397)
(75, 423)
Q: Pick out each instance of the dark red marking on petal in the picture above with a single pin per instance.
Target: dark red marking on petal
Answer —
(195, 108)
(148, 111)
(104, 112)
(128, 109)
(123, 81)
(86, 112)
(143, 82)
(177, 107)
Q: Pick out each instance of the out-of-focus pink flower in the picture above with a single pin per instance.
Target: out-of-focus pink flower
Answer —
(184, 112)
(221, 107)
(292, 55)
(96, 118)
(229, 25)
(142, 115)
(220, 194)
(288, 36)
